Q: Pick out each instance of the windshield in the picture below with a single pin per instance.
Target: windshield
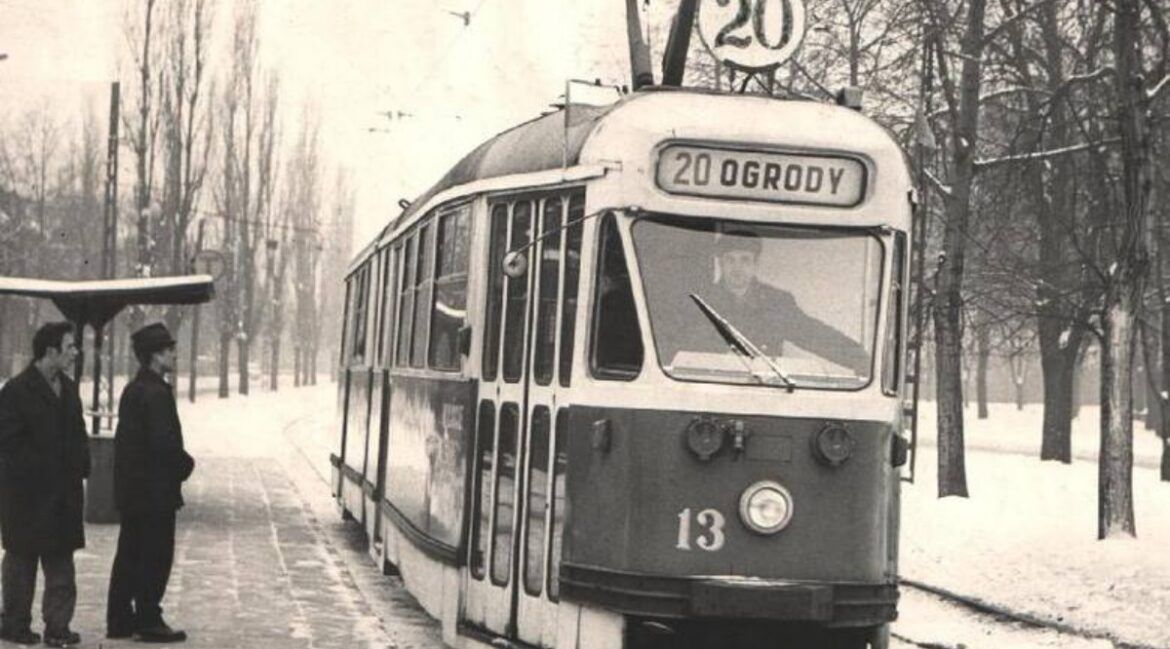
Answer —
(736, 302)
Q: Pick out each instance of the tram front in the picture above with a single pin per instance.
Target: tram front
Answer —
(736, 434)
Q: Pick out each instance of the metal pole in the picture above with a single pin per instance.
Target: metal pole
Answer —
(195, 325)
(640, 71)
(674, 59)
(109, 246)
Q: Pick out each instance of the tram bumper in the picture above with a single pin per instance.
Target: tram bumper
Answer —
(728, 598)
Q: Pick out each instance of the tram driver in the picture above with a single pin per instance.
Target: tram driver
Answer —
(769, 316)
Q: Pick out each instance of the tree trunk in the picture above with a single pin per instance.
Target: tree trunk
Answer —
(225, 346)
(983, 336)
(242, 345)
(1056, 440)
(1164, 394)
(952, 473)
(274, 368)
(1115, 464)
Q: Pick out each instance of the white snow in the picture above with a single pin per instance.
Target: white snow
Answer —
(1026, 537)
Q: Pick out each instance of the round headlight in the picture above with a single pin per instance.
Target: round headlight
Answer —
(833, 445)
(765, 507)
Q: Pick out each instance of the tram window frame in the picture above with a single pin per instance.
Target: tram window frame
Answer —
(571, 264)
(557, 493)
(383, 301)
(362, 295)
(390, 308)
(494, 311)
(423, 289)
(481, 516)
(405, 302)
(893, 356)
(548, 290)
(516, 300)
(451, 262)
(633, 335)
(538, 451)
(502, 535)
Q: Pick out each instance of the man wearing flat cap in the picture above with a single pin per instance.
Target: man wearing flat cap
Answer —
(150, 466)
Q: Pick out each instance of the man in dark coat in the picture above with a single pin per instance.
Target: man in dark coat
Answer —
(44, 456)
(150, 466)
(770, 316)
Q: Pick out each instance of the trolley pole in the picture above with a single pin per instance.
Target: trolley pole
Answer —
(195, 325)
(640, 72)
(109, 249)
(674, 60)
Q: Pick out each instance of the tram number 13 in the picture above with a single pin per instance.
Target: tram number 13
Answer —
(709, 535)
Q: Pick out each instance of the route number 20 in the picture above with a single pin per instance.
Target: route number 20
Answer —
(710, 535)
(755, 34)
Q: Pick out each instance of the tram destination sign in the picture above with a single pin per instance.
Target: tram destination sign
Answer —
(767, 176)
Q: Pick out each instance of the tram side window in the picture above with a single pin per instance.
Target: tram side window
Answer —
(537, 502)
(505, 495)
(422, 295)
(405, 302)
(361, 300)
(617, 338)
(495, 274)
(482, 516)
(448, 313)
(892, 367)
(572, 278)
(384, 298)
(389, 315)
(517, 300)
(549, 277)
(557, 501)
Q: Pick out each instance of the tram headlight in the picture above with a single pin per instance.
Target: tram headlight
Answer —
(766, 507)
(833, 445)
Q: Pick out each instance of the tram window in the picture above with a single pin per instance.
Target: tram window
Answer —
(448, 312)
(391, 301)
(482, 516)
(557, 502)
(537, 505)
(892, 365)
(361, 299)
(405, 302)
(505, 495)
(495, 274)
(572, 277)
(422, 295)
(549, 274)
(517, 300)
(384, 300)
(617, 339)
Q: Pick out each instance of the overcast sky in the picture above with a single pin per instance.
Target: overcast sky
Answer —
(352, 59)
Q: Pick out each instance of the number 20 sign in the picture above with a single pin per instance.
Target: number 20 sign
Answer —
(752, 34)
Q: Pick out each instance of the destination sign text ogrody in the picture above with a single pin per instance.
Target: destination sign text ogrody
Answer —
(761, 175)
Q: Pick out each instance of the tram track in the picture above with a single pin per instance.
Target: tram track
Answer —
(1005, 616)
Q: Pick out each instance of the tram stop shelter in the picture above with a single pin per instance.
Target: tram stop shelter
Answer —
(95, 303)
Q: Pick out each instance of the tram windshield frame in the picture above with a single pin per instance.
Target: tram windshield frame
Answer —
(752, 303)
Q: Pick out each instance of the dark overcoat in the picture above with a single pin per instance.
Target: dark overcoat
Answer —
(44, 456)
(150, 463)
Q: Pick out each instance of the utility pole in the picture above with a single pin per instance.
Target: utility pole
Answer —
(195, 323)
(109, 252)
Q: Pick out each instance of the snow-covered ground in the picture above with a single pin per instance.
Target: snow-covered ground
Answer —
(1025, 539)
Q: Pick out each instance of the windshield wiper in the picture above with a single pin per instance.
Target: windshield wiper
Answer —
(741, 344)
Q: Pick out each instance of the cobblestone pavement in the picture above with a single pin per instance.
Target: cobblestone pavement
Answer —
(262, 557)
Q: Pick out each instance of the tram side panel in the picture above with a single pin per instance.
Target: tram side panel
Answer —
(357, 411)
(431, 431)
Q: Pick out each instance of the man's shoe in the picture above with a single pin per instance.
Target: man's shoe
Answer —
(116, 633)
(65, 638)
(160, 633)
(23, 636)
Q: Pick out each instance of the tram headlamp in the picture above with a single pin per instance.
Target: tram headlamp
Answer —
(766, 507)
(833, 445)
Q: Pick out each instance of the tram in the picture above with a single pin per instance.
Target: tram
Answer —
(633, 376)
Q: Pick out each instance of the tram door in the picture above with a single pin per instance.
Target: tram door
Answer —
(519, 482)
